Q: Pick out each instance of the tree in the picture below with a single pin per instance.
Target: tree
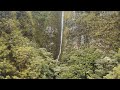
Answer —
(115, 74)
(26, 23)
(19, 56)
(82, 62)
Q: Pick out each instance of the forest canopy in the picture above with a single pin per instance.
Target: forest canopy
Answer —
(59, 45)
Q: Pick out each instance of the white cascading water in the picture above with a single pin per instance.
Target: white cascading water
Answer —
(61, 36)
(82, 39)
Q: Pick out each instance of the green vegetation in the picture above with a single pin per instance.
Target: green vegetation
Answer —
(30, 43)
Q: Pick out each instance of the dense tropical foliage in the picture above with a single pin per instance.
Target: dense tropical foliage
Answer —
(30, 45)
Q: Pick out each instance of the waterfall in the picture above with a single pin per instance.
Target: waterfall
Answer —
(74, 13)
(61, 36)
(74, 18)
(82, 39)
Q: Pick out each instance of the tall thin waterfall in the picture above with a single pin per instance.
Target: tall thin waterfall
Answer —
(82, 39)
(74, 17)
(61, 36)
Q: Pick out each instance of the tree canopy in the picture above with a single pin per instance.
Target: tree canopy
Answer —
(30, 44)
